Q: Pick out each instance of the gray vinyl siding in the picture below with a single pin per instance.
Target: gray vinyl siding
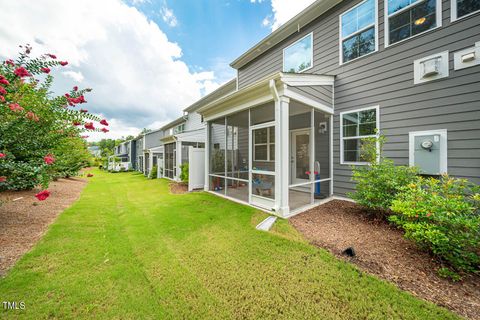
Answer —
(322, 94)
(194, 122)
(385, 78)
(152, 140)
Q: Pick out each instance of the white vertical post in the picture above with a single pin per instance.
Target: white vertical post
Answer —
(207, 157)
(312, 155)
(282, 154)
(179, 160)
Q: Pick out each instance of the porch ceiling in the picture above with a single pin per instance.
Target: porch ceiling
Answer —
(260, 92)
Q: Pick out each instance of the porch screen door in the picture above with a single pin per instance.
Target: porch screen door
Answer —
(300, 156)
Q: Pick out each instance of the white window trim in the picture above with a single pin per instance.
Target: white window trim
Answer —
(311, 44)
(375, 24)
(453, 12)
(377, 109)
(443, 147)
(268, 144)
(438, 16)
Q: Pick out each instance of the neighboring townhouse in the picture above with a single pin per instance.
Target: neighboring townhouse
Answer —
(152, 147)
(188, 131)
(122, 156)
(95, 151)
(308, 94)
(139, 147)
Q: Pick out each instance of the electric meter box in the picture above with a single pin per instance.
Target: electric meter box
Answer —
(427, 154)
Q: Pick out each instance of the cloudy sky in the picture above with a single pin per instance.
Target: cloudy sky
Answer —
(146, 60)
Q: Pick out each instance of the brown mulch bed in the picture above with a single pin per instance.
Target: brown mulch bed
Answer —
(23, 222)
(381, 250)
(178, 187)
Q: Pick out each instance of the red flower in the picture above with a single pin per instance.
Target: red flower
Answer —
(32, 116)
(15, 107)
(83, 110)
(4, 81)
(89, 126)
(2, 99)
(63, 63)
(104, 122)
(89, 175)
(49, 159)
(21, 72)
(45, 70)
(2, 155)
(67, 95)
(75, 88)
(9, 62)
(76, 123)
(105, 130)
(42, 195)
(3, 91)
(52, 56)
(3, 179)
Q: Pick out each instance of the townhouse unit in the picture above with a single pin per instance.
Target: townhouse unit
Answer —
(123, 156)
(151, 149)
(305, 97)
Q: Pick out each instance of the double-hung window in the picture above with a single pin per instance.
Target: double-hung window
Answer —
(358, 31)
(407, 18)
(463, 8)
(264, 144)
(356, 126)
(298, 57)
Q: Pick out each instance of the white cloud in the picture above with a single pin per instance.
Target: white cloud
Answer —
(137, 74)
(77, 76)
(168, 16)
(284, 10)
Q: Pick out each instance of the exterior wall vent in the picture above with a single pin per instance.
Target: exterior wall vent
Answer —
(467, 57)
(431, 68)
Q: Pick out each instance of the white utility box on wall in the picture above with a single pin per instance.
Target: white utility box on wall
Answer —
(428, 151)
(430, 68)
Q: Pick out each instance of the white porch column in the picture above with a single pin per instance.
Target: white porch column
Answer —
(282, 157)
(207, 157)
(179, 159)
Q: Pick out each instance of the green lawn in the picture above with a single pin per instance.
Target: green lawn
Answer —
(130, 249)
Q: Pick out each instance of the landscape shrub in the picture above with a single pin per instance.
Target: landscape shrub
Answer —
(153, 172)
(40, 134)
(184, 172)
(378, 183)
(443, 216)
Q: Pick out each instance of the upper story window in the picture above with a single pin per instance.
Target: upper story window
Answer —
(298, 57)
(463, 8)
(179, 129)
(356, 125)
(407, 18)
(358, 33)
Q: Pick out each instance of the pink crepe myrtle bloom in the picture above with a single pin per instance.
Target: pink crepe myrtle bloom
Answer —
(83, 110)
(2, 155)
(9, 62)
(52, 56)
(21, 72)
(3, 91)
(49, 159)
(32, 116)
(45, 70)
(104, 122)
(2, 99)
(89, 126)
(42, 195)
(75, 88)
(3, 179)
(15, 107)
(4, 81)
(76, 123)
(105, 130)
(63, 63)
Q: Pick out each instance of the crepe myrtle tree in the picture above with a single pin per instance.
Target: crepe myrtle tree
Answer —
(34, 123)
